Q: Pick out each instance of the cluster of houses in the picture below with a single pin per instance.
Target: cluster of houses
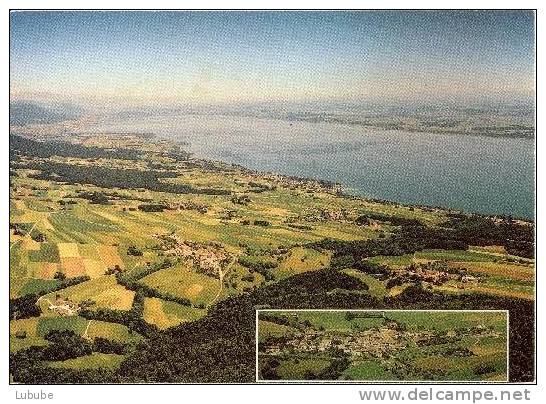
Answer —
(325, 215)
(208, 258)
(381, 342)
(290, 182)
(375, 342)
(431, 273)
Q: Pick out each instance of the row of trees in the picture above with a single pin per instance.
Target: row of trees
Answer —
(130, 280)
(259, 265)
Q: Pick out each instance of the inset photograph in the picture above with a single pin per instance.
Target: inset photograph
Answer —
(382, 345)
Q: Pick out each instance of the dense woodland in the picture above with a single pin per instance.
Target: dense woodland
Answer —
(123, 178)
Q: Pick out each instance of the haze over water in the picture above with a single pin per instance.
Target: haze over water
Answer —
(471, 173)
(105, 62)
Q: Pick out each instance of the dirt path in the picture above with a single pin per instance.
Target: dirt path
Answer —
(221, 275)
(84, 335)
(45, 299)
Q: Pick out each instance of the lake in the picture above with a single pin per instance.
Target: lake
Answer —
(470, 173)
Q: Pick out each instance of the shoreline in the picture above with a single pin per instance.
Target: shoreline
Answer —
(146, 136)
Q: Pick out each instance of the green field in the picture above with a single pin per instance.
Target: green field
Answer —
(367, 370)
(455, 255)
(295, 369)
(165, 314)
(268, 329)
(181, 282)
(103, 291)
(111, 331)
(94, 361)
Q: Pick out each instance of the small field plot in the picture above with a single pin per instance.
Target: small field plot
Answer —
(109, 256)
(268, 329)
(73, 323)
(104, 292)
(505, 270)
(504, 287)
(453, 255)
(496, 278)
(376, 287)
(48, 252)
(367, 370)
(24, 333)
(111, 331)
(67, 250)
(300, 368)
(448, 320)
(301, 260)
(38, 286)
(393, 260)
(76, 227)
(165, 314)
(180, 281)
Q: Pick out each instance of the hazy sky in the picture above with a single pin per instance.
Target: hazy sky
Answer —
(249, 56)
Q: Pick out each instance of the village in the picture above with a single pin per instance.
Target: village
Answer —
(206, 258)
(433, 273)
(379, 342)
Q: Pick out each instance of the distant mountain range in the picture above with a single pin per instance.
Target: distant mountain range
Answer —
(498, 119)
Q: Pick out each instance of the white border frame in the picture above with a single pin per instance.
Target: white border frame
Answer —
(507, 380)
(271, 393)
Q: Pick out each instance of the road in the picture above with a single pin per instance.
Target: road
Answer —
(84, 335)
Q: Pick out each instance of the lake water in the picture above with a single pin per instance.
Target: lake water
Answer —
(471, 173)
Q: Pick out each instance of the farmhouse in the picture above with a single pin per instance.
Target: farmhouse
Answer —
(64, 307)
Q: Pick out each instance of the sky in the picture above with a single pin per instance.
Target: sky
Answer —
(233, 56)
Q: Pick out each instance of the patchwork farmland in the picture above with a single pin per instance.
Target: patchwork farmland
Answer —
(132, 261)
